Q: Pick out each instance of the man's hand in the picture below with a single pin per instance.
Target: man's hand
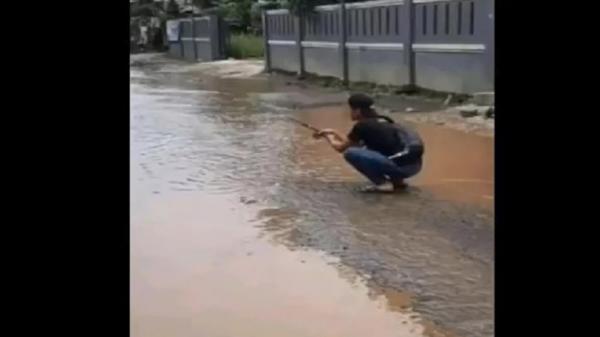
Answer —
(324, 133)
(338, 142)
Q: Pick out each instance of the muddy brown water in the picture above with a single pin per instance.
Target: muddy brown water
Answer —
(242, 224)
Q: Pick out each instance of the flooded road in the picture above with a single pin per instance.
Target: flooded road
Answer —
(243, 225)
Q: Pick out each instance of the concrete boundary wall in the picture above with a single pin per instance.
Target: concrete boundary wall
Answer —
(199, 39)
(444, 45)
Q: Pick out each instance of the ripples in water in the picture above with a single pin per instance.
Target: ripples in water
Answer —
(222, 142)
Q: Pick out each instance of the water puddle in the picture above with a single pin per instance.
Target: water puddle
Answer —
(243, 225)
(198, 269)
(457, 166)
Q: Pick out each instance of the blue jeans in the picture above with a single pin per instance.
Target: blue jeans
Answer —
(377, 167)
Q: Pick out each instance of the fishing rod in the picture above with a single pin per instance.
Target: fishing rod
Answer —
(306, 125)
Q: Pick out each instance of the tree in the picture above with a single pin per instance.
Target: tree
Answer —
(297, 7)
(268, 4)
(203, 4)
(172, 8)
(307, 6)
(236, 10)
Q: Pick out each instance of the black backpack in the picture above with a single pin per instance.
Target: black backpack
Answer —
(411, 144)
(411, 141)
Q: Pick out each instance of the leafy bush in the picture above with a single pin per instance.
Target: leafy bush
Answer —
(243, 46)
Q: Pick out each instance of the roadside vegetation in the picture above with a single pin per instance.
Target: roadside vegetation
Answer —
(244, 46)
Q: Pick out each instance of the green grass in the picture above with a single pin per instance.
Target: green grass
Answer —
(243, 46)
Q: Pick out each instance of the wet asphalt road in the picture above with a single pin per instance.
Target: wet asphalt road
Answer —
(201, 141)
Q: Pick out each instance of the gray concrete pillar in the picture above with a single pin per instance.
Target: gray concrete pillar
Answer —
(408, 38)
(488, 34)
(180, 41)
(194, 44)
(213, 34)
(299, 23)
(343, 38)
(267, 52)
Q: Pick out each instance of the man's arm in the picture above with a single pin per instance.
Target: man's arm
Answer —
(337, 141)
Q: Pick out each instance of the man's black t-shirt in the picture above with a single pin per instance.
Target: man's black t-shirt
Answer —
(376, 135)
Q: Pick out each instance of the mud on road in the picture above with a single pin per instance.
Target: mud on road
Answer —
(242, 224)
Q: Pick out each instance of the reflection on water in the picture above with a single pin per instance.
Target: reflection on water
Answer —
(457, 166)
(216, 170)
(198, 269)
